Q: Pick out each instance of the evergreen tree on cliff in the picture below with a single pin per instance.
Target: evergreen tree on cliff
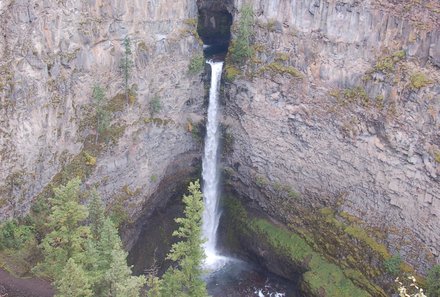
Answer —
(185, 280)
(113, 276)
(126, 66)
(74, 282)
(67, 238)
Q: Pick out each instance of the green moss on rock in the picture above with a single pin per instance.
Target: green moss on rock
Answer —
(419, 80)
(321, 276)
(277, 68)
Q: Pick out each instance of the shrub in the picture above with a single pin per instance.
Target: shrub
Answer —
(14, 235)
(281, 69)
(433, 282)
(155, 105)
(392, 265)
(231, 73)
(419, 80)
(196, 64)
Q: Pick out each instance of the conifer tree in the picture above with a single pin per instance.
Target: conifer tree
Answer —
(112, 276)
(185, 279)
(126, 66)
(96, 214)
(102, 115)
(67, 238)
(120, 281)
(73, 282)
(241, 48)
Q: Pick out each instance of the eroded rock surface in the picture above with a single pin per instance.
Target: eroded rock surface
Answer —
(53, 53)
(330, 109)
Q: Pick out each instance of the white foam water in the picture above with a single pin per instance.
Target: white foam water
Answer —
(210, 174)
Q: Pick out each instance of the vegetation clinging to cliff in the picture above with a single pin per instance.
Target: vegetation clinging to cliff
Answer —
(126, 66)
(240, 49)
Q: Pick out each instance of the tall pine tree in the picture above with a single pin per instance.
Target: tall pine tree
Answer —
(96, 214)
(67, 238)
(185, 280)
(111, 274)
(120, 281)
(73, 282)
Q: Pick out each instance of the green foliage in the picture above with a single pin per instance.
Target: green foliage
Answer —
(118, 277)
(433, 282)
(436, 155)
(276, 67)
(197, 131)
(321, 276)
(126, 66)
(73, 282)
(228, 142)
(118, 213)
(96, 214)
(261, 181)
(67, 237)
(96, 262)
(14, 236)
(240, 49)
(419, 80)
(231, 73)
(362, 235)
(392, 265)
(90, 160)
(357, 94)
(196, 64)
(102, 114)
(387, 64)
(293, 194)
(185, 280)
(155, 105)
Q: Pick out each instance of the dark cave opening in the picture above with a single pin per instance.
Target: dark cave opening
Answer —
(214, 28)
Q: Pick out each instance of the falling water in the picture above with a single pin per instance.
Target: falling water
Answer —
(210, 173)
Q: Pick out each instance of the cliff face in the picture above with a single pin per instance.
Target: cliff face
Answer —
(53, 53)
(337, 111)
(339, 108)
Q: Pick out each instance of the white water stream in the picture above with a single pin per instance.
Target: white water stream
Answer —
(210, 173)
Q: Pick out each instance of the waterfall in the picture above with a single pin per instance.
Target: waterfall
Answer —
(210, 172)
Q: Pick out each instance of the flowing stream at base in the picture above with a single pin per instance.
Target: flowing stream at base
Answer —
(210, 174)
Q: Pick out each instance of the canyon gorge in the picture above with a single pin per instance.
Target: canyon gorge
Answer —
(330, 139)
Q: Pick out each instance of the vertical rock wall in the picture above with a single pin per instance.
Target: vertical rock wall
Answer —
(330, 112)
(52, 54)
